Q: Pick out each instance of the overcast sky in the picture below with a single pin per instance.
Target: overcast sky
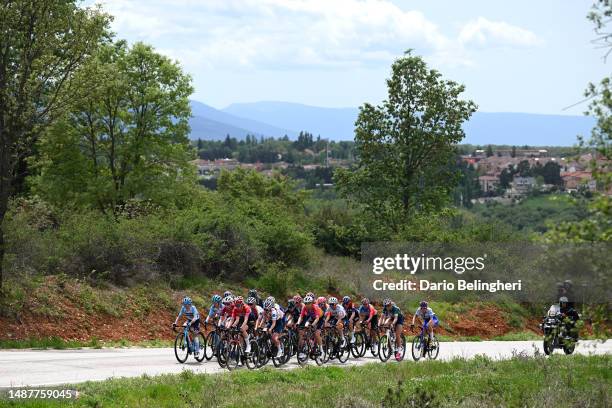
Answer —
(519, 56)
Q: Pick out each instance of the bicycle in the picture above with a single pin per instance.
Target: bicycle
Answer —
(212, 341)
(336, 344)
(371, 341)
(309, 348)
(422, 346)
(387, 345)
(184, 344)
(233, 352)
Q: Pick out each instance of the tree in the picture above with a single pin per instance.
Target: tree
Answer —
(489, 151)
(513, 153)
(127, 139)
(42, 44)
(406, 145)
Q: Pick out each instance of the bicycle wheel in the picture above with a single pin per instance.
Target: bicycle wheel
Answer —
(212, 339)
(345, 350)
(358, 347)
(200, 353)
(434, 348)
(303, 352)
(232, 356)
(320, 357)
(252, 358)
(384, 348)
(417, 348)
(220, 352)
(181, 349)
(375, 340)
(329, 346)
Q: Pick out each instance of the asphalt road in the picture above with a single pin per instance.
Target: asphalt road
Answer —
(54, 367)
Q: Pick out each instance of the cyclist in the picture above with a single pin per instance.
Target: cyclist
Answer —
(256, 315)
(253, 293)
(352, 315)
(193, 320)
(335, 315)
(215, 309)
(393, 317)
(226, 311)
(240, 318)
(368, 317)
(311, 314)
(274, 317)
(426, 314)
(291, 312)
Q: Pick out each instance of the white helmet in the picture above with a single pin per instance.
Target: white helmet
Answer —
(228, 299)
(268, 303)
(332, 301)
(308, 300)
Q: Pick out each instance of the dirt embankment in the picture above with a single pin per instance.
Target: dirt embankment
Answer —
(73, 310)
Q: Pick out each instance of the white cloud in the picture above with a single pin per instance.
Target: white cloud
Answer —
(486, 33)
(288, 34)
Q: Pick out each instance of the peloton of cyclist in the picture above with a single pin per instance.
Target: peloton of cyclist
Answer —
(393, 318)
(240, 318)
(274, 319)
(352, 315)
(192, 319)
(311, 315)
(215, 309)
(368, 317)
(334, 315)
(427, 315)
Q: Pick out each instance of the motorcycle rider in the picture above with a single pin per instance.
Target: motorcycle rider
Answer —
(569, 316)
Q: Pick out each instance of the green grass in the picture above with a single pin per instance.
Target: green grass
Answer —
(521, 381)
(58, 343)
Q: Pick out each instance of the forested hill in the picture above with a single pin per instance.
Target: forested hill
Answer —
(282, 118)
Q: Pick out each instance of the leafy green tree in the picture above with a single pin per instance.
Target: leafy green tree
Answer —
(42, 44)
(406, 145)
(127, 139)
(489, 151)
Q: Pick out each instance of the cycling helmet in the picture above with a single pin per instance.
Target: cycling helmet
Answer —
(239, 300)
(387, 302)
(227, 293)
(290, 302)
(251, 300)
(297, 299)
(271, 299)
(332, 301)
(321, 299)
(346, 300)
(365, 301)
(228, 299)
(308, 300)
(216, 298)
(310, 294)
(187, 300)
(268, 303)
(563, 299)
(253, 292)
(423, 304)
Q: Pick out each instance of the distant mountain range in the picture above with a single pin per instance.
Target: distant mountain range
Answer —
(282, 118)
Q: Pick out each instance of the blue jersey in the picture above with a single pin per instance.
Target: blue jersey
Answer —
(214, 310)
(191, 314)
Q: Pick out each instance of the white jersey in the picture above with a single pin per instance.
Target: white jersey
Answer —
(337, 313)
(425, 315)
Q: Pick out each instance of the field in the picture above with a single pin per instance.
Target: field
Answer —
(576, 381)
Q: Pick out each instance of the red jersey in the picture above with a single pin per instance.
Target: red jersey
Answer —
(313, 313)
(243, 311)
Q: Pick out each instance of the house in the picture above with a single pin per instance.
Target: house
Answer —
(488, 183)
(522, 185)
(573, 180)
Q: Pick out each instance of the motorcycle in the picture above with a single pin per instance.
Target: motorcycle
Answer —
(556, 334)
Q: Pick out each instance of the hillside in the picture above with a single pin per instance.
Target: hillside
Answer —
(280, 118)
